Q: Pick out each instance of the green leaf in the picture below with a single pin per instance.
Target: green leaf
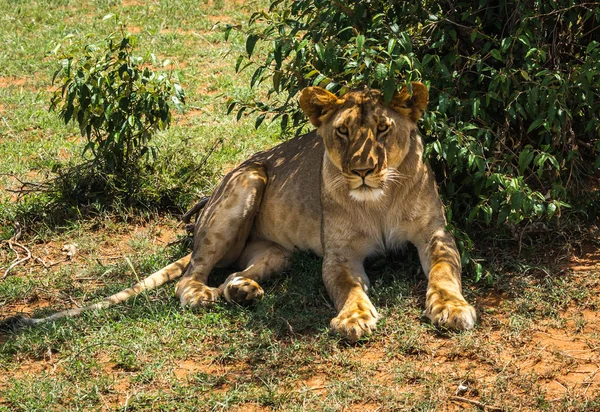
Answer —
(381, 71)
(180, 93)
(503, 214)
(391, 45)
(259, 120)
(360, 41)
(251, 43)
(389, 88)
(536, 123)
(496, 54)
(525, 158)
(277, 80)
(240, 112)
(475, 107)
(550, 210)
(320, 51)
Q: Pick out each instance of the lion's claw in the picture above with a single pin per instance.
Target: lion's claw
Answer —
(354, 323)
(193, 293)
(452, 313)
(242, 290)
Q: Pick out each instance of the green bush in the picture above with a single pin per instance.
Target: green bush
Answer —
(117, 102)
(513, 127)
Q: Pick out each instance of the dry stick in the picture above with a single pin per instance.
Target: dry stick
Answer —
(591, 380)
(18, 261)
(13, 241)
(44, 264)
(27, 187)
(480, 405)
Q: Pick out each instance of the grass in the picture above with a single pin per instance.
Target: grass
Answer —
(535, 347)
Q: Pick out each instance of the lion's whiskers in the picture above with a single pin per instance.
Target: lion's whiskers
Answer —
(394, 177)
(336, 182)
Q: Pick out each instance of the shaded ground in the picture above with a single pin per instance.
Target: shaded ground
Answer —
(535, 347)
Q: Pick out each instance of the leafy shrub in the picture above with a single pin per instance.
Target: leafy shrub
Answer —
(117, 102)
(513, 127)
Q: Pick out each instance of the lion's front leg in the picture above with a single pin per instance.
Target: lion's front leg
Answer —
(445, 305)
(347, 285)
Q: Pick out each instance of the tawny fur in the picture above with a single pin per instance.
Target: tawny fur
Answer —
(355, 187)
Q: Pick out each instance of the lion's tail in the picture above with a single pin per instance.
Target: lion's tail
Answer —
(169, 272)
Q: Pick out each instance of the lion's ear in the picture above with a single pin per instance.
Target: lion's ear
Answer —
(316, 102)
(413, 106)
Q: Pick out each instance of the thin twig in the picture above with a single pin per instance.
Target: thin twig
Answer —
(18, 261)
(590, 380)
(204, 159)
(563, 386)
(39, 259)
(13, 242)
(176, 241)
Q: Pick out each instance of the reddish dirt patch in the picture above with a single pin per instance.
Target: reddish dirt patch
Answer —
(13, 81)
(220, 19)
(491, 300)
(316, 383)
(134, 29)
(131, 3)
(27, 308)
(205, 91)
(587, 260)
(566, 364)
(109, 247)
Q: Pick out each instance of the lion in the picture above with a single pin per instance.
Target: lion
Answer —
(354, 187)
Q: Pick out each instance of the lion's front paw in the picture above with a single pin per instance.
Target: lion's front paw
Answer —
(195, 294)
(352, 323)
(451, 312)
(242, 290)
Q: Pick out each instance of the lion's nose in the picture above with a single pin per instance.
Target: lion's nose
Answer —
(363, 171)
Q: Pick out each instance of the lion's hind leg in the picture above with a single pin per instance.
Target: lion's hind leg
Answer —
(221, 232)
(261, 259)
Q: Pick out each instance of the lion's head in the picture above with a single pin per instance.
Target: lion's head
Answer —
(365, 138)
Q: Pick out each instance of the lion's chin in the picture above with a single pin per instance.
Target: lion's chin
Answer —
(366, 194)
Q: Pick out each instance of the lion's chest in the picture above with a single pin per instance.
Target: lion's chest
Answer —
(385, 232)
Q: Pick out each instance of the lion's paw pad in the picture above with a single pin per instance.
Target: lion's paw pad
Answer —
(353, 324)
(242, 290)
(192, 293)
(454, 314)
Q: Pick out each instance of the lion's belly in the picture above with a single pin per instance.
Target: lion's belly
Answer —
(294, 226)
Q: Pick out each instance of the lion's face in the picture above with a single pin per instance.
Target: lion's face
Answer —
(364, 138)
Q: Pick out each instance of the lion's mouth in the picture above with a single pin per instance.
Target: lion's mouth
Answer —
(366, 193)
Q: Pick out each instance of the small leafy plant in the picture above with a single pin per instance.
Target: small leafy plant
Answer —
(116, 100)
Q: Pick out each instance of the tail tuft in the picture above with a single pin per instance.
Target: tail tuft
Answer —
(15, 323)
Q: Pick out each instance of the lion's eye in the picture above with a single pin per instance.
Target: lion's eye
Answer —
(342, 131)
(383, 127)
